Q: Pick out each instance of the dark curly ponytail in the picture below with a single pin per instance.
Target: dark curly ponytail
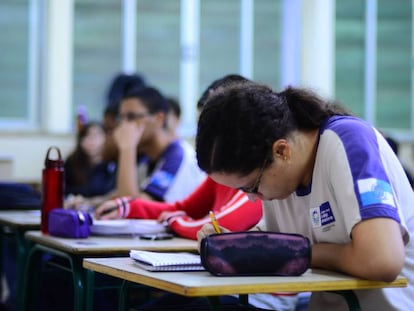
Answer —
(239, 125)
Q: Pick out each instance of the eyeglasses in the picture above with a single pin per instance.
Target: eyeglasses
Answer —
(255, 188)
(131, 116)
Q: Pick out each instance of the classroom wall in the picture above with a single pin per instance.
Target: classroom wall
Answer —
(22, 156)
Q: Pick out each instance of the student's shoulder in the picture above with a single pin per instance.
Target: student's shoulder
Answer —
(180, 147)
(349, 131)
(345, 124)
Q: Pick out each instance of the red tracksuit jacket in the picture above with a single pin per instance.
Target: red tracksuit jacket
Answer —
(232, 208)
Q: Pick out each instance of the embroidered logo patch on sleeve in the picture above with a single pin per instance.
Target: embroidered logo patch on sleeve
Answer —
(375, 191)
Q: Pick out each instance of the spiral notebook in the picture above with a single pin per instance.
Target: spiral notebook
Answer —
(157, 261)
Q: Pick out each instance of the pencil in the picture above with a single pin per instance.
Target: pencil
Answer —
(109, 210)
(214, 222)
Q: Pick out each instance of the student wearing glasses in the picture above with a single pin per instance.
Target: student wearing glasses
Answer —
(322, 173)
(152, 163)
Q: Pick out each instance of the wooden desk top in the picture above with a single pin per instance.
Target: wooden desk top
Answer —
(15, 218)
(109, 245)
(205, 284)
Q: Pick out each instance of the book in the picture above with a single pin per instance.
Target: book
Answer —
(160, 261)
(127, 226)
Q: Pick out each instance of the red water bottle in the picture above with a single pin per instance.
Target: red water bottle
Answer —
(53, 186)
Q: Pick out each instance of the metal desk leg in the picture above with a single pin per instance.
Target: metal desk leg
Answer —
(244, 300)
(89, 286)
(23, 247)
(214, 303)
(123, 295)
(34, 261)
(29, 294)
(78, 281)
(351, 299)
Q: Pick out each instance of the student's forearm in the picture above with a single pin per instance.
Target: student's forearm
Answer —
(127, 184)
(344, 258)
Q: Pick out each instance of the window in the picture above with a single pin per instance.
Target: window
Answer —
(391, 72)
(349, 54)
(394, 65)
(14, 64)
(374, 83)
(97, 53)
(158, 44)
(267, 43)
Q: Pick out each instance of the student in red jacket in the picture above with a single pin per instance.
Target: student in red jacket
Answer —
(232, 208)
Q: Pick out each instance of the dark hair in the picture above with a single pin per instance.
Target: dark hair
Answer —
(239, 124)
(78, 161)
(174, 106)
(120, 85)
(227, 80)
(151, 98)
(393, 144)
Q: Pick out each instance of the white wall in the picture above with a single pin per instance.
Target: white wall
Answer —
(25, 153)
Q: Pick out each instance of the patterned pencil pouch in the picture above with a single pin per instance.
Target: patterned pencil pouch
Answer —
(255, 253)
(69, 223)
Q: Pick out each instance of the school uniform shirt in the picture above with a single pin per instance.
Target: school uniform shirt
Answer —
(233, 211)
(101, 180)
(174, 176)
(232, 208)
(356, 177)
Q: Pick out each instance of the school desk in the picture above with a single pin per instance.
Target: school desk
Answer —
(14, 224)
(75, 250)
(196, 284)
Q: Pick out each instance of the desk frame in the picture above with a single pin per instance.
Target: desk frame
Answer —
(75, 250)
(13, 220)
(82, 293)
(197, 284)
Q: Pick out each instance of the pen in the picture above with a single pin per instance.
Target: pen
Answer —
(107, 211)
(121, 203)
(214, 222)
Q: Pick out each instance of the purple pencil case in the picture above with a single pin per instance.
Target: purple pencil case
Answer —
(69, 223)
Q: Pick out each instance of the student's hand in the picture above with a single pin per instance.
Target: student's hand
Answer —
(168, 216)
(207, 230)
(77, 202)
(128, 134)
(107, 210)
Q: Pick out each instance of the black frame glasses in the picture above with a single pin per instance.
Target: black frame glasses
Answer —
(255, 188)
(131, 116)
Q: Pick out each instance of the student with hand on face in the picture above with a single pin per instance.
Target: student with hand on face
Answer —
(152, 164)
(321, 173)
(119, 86)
